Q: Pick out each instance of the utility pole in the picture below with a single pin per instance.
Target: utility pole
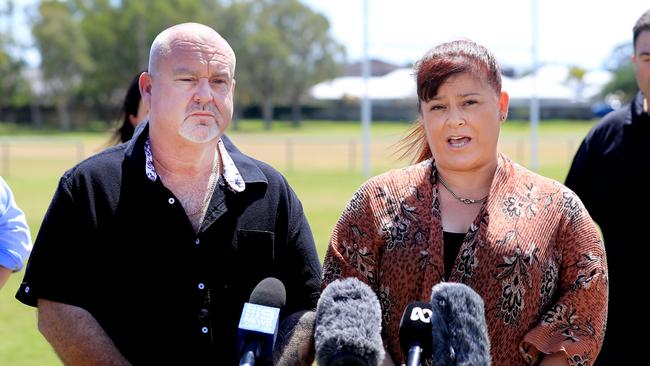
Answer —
(366, 108)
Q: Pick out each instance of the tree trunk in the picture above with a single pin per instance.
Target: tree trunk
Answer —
(296, 112)
(267, 113)
(35, 113)
(63, 112)
(237, 112)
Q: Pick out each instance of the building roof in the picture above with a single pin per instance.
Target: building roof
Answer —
(551, 85)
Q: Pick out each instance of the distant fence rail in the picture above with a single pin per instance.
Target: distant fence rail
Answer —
(31, 156)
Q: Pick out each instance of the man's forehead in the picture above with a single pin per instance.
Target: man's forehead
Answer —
(205, 51)
(187, 57)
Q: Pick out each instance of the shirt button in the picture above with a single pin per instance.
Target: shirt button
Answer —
(27, 289)
(197, 242)
(203, 313)
(171, 200)
(201, 286)
(204, 330)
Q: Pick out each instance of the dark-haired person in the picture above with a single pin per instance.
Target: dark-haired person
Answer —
(466, 213)
(133, 112)
(610, 175)
(150, 249)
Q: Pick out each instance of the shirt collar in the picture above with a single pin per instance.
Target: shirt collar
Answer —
(638, 114)
(230, 172)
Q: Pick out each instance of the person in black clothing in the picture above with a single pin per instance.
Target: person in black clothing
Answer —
(610, 175)
(149, 249)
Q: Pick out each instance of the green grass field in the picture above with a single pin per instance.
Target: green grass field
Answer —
(321, 160)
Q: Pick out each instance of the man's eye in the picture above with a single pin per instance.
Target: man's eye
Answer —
(437, 107)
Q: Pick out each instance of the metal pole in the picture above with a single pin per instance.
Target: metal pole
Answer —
(289, 155)
(534, 101)
(352, 154)
(365, 103)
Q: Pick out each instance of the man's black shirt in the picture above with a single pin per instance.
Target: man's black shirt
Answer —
(121, 246)
(610, 175)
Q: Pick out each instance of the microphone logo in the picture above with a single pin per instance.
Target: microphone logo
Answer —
(423, 315)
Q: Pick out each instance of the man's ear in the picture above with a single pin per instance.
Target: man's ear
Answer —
(145, 84)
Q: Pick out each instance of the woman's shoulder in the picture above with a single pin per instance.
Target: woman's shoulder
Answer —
(527, 181)
(401, 178)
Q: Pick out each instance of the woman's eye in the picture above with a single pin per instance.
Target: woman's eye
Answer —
(437, 107)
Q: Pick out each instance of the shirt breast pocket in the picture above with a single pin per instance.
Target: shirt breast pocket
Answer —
(253, 259)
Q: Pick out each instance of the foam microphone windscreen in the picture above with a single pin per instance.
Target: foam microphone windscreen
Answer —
(458, 326)
(269, 292)
(348, 325)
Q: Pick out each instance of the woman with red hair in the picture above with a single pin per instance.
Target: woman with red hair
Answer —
(466, 213)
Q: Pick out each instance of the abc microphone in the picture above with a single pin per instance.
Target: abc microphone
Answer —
(415, 332)
(258, 325)
(458, 326)
(348, 325)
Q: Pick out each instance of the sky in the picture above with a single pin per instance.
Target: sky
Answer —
(570, 32)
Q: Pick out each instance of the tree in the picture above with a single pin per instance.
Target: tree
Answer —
(64, 54)
(314, 55)
(576, 80)
(284, 50)
(261, 57)
(623, 82)
(14, 88)
(120, 34)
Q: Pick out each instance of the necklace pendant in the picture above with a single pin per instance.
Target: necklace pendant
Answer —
(466, 201)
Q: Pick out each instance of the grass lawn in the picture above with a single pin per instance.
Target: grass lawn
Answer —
(321, 160)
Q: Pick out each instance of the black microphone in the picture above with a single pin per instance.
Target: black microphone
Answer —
(459, 330)
(258, 325)
(415, 332)
(348, 325)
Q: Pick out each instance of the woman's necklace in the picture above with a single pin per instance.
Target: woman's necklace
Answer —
(214, 177)
(467, 201)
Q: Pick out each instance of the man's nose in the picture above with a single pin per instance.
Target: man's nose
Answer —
(203, 93)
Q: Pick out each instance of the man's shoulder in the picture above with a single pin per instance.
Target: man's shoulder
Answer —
(609, 128)
(614, 120)
(103, 165)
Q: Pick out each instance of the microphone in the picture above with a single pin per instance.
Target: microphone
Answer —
(459, 330)
(415, 332)
(258, 325)
(348, 325)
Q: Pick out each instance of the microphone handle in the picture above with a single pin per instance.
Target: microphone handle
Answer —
(414, 355)
(249, 353)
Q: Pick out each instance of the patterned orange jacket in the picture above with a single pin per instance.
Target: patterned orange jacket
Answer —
(533, 254)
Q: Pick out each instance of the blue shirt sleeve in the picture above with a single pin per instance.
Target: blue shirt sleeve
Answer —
(15, 239)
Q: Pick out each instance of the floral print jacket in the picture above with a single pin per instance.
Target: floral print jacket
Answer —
(533, 254)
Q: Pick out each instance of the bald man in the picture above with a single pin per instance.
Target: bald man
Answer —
(150, 248)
